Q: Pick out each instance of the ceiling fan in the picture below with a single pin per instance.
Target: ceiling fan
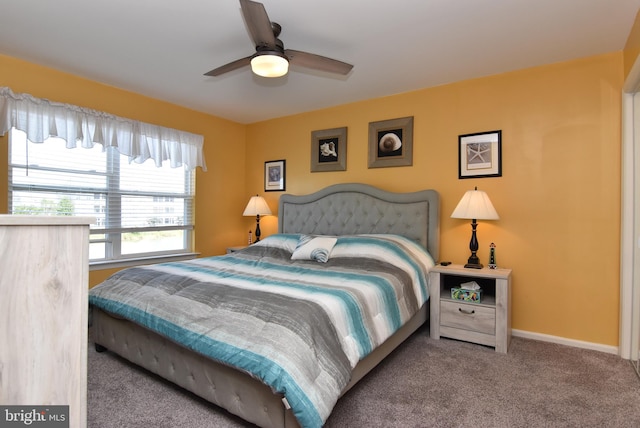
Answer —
(271, 58)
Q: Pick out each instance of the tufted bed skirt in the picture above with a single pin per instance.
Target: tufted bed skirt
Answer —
(224, 386)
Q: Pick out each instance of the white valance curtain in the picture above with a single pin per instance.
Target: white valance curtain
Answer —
(41, 118)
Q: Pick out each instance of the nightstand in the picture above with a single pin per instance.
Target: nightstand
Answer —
(486, 323)
(234, 249)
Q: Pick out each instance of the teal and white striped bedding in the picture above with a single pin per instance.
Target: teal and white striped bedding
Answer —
(299, 326)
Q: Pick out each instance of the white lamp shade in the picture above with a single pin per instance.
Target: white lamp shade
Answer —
(257, 206)
(269, 65)
(475, 204)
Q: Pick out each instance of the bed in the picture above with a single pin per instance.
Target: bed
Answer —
(357, 219)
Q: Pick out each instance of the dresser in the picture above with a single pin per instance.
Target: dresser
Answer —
(44, 273)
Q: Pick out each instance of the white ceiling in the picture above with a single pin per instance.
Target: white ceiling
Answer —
(162, 48)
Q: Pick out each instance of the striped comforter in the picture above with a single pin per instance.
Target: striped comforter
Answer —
(298, 326)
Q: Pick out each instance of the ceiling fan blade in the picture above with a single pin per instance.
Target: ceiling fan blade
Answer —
(234, 65)
(258, 23)
(317, 62)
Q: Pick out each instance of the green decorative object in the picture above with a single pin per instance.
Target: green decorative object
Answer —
(472, 296)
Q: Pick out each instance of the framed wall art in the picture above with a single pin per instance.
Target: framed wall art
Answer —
(391, 143)
(329, 150)
(480, 155)
(275, 176)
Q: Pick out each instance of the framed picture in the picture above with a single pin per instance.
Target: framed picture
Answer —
(274, 175)
(391, 143)
(329, 150)
(480, 155)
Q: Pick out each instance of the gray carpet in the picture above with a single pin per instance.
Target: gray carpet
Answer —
(424, 383)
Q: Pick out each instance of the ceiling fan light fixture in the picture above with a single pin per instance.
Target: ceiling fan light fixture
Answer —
(269, 65)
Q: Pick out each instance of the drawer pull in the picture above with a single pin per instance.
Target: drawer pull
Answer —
(471, 312)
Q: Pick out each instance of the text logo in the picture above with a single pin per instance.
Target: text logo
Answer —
(34, 416)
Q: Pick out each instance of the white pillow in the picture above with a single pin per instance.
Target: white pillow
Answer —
(314, 248)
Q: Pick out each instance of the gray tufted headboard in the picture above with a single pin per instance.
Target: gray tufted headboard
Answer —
(353, 208)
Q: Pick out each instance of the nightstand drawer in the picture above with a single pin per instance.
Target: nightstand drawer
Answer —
(468, 317)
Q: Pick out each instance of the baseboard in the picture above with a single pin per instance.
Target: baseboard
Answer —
(564, 341)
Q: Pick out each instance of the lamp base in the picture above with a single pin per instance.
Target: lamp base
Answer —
(473, 266)
(258, 228)
(473, 262)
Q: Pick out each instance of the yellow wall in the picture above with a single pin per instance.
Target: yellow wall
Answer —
(219, 191)
(558, 197)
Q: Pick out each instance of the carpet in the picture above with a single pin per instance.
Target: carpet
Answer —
(424, 383)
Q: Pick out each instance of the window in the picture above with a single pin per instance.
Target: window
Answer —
(140, 209)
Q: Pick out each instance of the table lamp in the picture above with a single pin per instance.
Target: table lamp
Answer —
(475, 205)
(257, 206)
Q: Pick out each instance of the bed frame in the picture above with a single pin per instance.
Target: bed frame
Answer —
(340, 209)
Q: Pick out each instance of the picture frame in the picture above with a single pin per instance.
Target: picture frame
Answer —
(391, 143)
(329, 150)
(275, 175)
(480, 155)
